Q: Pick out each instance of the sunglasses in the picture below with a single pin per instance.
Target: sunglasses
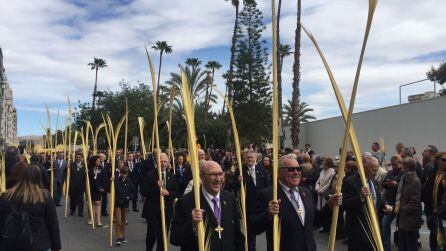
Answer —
(292, 169)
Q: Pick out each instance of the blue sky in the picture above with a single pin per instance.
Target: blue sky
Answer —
(47, 45)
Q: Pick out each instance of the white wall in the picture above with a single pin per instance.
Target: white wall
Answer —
(413, 124)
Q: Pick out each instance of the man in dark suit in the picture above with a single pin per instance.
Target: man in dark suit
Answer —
(295, 207)
(134, 177)
(149, 164)
(430, 173)
(255, 179)
(183, 174)
(106, 167)
(218, 211)
(77, 185)
(59, 165)
(354, 197)
(152, 186)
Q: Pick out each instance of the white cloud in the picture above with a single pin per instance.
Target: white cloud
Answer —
(47, 45)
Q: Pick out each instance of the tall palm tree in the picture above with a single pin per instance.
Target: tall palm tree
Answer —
(295, 123)
(193, 62)
(163, 47)
(211, 66)
(283, 51)
(236, 4)
(301, 114)
(98, 63)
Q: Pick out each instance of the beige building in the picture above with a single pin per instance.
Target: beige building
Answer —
(8, 113)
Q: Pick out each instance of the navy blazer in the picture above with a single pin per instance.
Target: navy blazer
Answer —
(262, 182)
(182, 233)
(356, 209)
(59, 171)
(294, 235)
(149, 189)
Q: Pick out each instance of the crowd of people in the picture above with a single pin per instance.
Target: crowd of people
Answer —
(402, 188)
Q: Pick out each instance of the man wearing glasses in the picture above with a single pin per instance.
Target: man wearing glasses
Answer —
(295, 207)
(218, 211)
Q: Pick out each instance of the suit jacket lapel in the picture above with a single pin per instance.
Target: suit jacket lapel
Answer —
(287, 205)
(224, 209)
(209, 213)
(304, 201)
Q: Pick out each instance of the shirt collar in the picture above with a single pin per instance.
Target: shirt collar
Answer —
(208, 195)
(286, 188)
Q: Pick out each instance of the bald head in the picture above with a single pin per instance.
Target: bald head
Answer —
(371, 166)
(211, 165)
(212, 177)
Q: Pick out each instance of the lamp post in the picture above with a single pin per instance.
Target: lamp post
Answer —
(411, 83)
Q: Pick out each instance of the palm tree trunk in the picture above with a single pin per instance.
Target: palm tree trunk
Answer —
(95, 90)
(279, 78)
(206, 97)
(159, 74)
(212, 86)
(226, 94)
(295, 123)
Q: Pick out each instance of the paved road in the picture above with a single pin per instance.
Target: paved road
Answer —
(77, 235)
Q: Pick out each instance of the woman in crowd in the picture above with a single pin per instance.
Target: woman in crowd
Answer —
(27, 199)
(119, 165)
(306, 165)
(268, 165)
(408, 206)
(97, 180)
(322, 185)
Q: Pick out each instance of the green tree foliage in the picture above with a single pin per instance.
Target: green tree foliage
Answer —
(197, 82)
(140, 103)
(302, 113)
(438, 75)
(113, 103)
(251, 83)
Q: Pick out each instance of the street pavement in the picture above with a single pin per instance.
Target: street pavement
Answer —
(77, 235)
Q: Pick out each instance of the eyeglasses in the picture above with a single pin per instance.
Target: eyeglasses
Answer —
(214, 175)
(292, 169)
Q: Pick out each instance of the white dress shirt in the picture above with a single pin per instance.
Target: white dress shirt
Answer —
(299, 199)
(209, 198)
(252, 172)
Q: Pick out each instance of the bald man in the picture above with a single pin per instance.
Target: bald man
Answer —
(218, 211)
(355, 205)
(152, 186)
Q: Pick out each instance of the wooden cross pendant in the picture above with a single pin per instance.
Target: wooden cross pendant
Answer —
(219, 229)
